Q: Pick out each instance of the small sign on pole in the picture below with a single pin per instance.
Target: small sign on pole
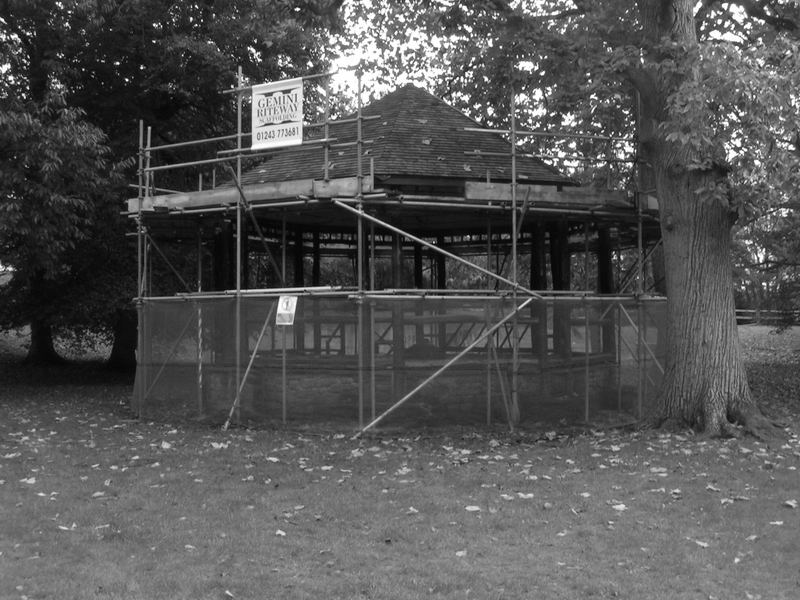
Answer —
(287, 305)
(277, 114)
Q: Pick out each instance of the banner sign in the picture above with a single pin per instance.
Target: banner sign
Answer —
(287, 305)
(277, 110)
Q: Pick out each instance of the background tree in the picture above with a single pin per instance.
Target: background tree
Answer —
(120, 61)
(54, 177)
(708, 88)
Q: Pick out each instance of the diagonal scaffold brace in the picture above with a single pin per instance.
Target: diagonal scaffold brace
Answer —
(479, 340)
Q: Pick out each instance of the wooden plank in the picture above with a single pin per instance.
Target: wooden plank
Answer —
(342, 186)
(255, 193)
(501, 192)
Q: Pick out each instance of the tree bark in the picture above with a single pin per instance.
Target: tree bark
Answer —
(705, 384)
(42, 351)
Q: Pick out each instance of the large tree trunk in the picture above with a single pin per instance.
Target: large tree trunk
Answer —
(705, 384)
(42, 351)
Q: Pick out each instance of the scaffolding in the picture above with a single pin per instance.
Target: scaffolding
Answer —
(405, 356)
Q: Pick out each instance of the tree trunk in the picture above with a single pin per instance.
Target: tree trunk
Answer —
(42, 351)
(123, 350)
(705, 384)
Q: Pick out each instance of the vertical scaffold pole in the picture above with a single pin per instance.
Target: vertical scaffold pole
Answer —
(372, 350)
(140, 389)
(586, 325)
(514, 417)
(488, 318)
(284, 380)
(199, 321)
(639, 263)
(360, 349)
(238, 316)
(639, 317)
(586, 349)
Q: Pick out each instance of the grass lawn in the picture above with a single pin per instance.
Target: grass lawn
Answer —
(96, 504)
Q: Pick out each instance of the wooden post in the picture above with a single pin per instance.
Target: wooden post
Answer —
(441, 283)
(297, 255)
(398, 327)
(605, 283)
(560, 269)
(299, 281)
(315, 279)
(418, 278)
(224, 275)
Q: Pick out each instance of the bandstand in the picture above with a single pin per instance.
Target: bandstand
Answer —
(402, 266)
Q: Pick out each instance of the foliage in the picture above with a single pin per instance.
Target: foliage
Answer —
(56, 175)
(571, 67)
(114, 63)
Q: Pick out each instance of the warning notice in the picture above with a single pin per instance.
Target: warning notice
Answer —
(287, 305)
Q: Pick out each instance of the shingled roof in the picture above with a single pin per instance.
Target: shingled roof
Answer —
(410, 135)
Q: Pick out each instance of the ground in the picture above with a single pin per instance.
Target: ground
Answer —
(97, 504)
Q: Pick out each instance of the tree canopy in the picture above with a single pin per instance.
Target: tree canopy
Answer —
(79, 76)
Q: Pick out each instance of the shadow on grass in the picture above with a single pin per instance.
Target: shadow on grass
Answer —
(14, 371)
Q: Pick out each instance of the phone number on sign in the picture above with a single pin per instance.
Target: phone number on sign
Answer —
(278, 133)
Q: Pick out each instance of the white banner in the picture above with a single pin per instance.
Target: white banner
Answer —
(277, 113)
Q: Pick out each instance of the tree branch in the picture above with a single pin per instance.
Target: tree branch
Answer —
(701, 15)
(758, 10)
